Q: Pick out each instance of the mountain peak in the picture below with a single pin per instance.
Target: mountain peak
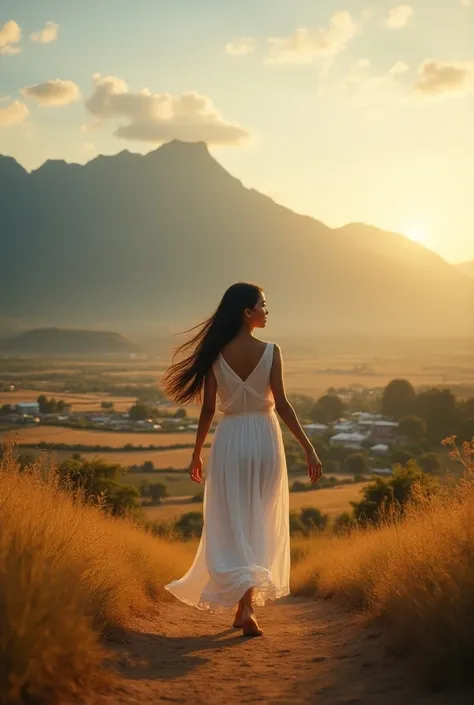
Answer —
(176, 147)
(179, 151)
(10, 168)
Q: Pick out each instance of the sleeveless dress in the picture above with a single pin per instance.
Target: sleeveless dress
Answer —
(245, 540)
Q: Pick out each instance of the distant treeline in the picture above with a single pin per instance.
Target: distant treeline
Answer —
(81, 447)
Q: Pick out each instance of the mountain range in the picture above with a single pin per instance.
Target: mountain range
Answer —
(156, 239)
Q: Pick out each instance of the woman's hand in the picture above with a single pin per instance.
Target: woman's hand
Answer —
(195, 469)
(315, 467)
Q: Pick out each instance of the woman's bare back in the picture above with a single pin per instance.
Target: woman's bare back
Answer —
(243, 355)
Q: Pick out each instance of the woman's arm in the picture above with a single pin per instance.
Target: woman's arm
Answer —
(206, 416)
(288, 415)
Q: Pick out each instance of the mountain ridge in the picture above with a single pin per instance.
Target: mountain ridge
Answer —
(54, 340)
(129, 235)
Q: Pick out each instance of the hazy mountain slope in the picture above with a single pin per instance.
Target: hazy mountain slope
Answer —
(67, 341)
(159, 237)
(466, 268)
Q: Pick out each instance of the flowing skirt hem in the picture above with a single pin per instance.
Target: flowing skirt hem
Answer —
(216, 603)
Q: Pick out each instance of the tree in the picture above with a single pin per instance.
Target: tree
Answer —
(139, 412)
(190, 525)
(107, 405)
(296, 526)
(384, 494)
(438, 409)
(356, 464)
(429, 462)
(97, 479)
(413, 427)
(122, 499)
(398, 399)
(313, 519)
(148, 466)
(400, 456)
(180, 413)
(43, 403)
(328, 408)
(157, 491)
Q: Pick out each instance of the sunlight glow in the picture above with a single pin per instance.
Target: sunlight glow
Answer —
(417, 232)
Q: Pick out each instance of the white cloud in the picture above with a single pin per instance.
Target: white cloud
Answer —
(46, 35)
(398, 16)
(373, 94)
(13, 114)
(441, 77)
(160, 117)
(10, 35)
(304, 45)
(240, 47)
(54, 92)
(398, 68)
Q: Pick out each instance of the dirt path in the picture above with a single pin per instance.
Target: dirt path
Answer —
(312, 652)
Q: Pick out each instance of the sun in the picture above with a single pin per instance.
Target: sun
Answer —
(416, 232)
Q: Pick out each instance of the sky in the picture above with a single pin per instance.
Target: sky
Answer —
(349, 111)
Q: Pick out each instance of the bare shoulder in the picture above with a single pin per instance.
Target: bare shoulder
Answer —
(276, 351)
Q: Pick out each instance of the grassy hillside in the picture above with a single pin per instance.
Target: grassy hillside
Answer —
(69, 574)
(416, 574)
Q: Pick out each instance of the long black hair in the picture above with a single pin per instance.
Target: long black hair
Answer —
(183, 381)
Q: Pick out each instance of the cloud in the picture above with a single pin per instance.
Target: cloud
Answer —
(160, 117)
(13, 114)
(398, 68)
(10, 35)
(46, 35)
(304, 45)
(54, 92)
(466, 3)
(441, 77)
(372, 93)
(398, 16)
(240, 47)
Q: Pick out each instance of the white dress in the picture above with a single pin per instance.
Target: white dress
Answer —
(245, 541)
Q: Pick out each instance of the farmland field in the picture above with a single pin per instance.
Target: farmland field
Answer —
(115, 439)
(330, 501)
(161, 459)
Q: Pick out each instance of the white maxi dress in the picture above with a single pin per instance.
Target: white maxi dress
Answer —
(245, 540)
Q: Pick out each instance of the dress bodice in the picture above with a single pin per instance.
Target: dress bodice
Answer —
(254, 395)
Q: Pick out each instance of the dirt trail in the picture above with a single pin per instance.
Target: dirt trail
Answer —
(312, 652)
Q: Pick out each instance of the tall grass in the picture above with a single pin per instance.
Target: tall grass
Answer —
(415, 573)
(68, 574)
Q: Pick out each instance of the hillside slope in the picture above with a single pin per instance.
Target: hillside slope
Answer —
(157, 238)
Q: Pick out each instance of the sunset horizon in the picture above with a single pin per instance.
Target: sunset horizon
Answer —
(348, 113)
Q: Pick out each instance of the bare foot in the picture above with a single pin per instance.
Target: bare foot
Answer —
(238, 621)
(249, 624)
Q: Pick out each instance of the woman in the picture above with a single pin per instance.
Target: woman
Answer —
(243, 556)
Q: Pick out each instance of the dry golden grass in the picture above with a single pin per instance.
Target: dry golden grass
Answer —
(67, 574)
(416, 574)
